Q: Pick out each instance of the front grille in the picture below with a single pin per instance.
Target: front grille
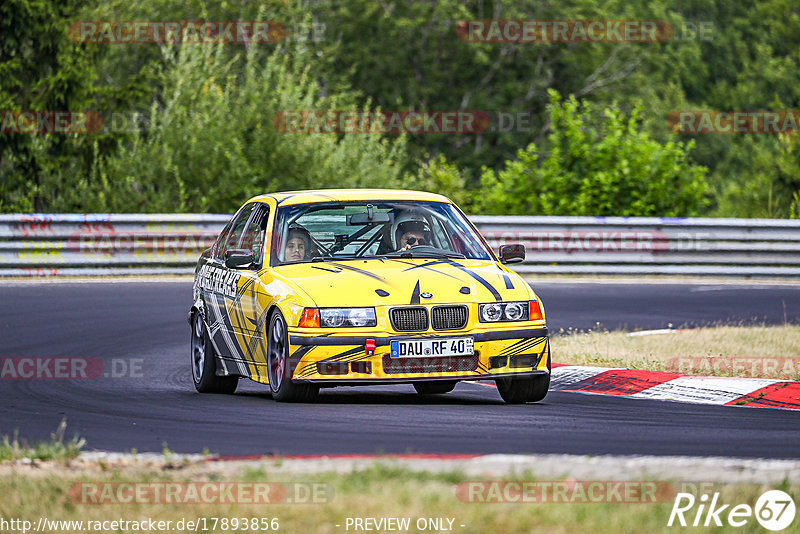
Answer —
(409, 319)
(449, 317)
(395, 366)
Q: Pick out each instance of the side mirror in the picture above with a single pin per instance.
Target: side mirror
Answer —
(238, 257)
(512, 253)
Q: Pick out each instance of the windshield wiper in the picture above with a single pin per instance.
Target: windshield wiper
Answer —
(429, 254)
(317, 259)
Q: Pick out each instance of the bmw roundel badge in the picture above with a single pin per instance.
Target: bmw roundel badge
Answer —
(426, 295)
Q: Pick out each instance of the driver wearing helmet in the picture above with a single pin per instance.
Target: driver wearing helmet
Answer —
(410, 230)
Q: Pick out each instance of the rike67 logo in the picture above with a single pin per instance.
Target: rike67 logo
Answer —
(774, 510)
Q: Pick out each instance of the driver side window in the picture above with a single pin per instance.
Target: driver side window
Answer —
(237, 229)
(254, 235)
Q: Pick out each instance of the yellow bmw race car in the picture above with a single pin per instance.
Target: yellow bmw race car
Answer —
(311, 289)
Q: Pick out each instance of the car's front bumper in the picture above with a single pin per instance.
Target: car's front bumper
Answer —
(345, 359)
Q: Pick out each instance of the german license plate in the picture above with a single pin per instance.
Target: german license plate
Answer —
(416, 348)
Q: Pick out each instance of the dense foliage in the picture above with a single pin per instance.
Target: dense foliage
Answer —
(577, 128)
(596, 170)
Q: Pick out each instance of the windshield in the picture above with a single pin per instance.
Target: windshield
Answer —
(368, 229)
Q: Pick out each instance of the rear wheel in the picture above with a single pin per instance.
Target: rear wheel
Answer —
(435, 388)
(280, 373)
(204, 362)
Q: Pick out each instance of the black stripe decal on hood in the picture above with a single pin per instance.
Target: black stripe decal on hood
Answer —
(507, 280)
(429, 267)
(324, 269)
(479, 278)
(357, 270)
(415, 294)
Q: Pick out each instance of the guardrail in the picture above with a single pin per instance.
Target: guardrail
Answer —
(104, 244)
(109, 244)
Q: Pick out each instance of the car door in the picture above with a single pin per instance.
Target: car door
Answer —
(223, 295)
(248, 313)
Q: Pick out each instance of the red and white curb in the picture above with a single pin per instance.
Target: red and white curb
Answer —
(754, 392)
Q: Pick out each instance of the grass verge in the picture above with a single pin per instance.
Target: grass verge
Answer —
(378, 492)
(755, 351)
(11, 448)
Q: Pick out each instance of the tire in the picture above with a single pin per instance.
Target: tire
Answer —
(204, 362)
(521, 390)
(278, 365)
(435, 388)
(525, 389)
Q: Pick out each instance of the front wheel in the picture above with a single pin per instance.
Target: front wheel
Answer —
(204, 363)
(278, 368)
(435, 388)
(523, 389)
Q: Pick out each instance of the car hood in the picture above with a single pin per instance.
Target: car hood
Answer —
(392, 282)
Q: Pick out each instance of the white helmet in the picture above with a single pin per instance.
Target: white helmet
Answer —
(408, 221)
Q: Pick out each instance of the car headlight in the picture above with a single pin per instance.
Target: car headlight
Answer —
(347, 317)
(491, 313)
(516, 311)
(503, 312)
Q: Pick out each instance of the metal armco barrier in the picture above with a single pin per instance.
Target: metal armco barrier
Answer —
(109, 244)
(104, 244)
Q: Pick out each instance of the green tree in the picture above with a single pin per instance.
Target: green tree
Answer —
(212, 140)
(396, 56)
(600, 166)
(40, 69)
(438, 175)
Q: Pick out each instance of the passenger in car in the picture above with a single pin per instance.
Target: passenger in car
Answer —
(298, 245)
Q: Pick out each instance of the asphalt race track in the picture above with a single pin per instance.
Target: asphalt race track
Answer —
(144, 324)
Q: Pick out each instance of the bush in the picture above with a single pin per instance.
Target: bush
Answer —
(602, 168)
(211, 142)
(438, 175)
